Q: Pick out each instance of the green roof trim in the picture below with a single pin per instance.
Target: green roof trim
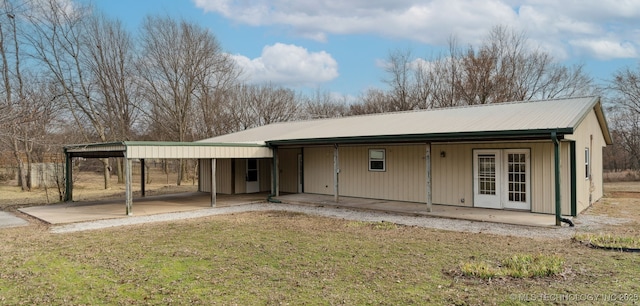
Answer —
(460, 136)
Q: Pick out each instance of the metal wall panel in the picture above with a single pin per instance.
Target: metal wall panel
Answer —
(318, 170)
(403, 179)
(151, 151)
(223, 175)
(453, 174)
(288, 161)
(589, 126)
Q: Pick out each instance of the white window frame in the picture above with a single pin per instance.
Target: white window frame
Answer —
(383, 160)
(587, 163)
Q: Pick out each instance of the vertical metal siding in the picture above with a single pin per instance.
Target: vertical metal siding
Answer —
(240, 175)
(403, 180)
(223, 175)
(264, 172)
(589, 126)
(288, 169)
(453, 174)
(318, 170)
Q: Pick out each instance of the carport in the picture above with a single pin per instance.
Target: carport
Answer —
(143, 150)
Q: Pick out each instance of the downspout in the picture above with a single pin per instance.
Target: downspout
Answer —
(558, 190)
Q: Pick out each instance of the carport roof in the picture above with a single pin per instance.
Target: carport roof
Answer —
(500, 121)
(157, 149)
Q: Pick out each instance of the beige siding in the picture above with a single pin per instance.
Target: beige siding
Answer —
(223, 176)
(240, 175)
(403, 180)
(588, 191)
(453, 174)
(318, 170)
(288, 162)
(264, 174)
(159, 151)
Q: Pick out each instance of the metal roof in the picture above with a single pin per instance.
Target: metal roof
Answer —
(512, 120)
(159, 149)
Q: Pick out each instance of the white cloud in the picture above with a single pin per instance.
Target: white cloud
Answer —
(290, 65)
(606, 49)
(556, 25)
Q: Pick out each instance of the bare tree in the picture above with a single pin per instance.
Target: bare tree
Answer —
(625, 115)
(503, 68)
(322, 105)
(372, 101)
(402, 80)
(256, 105)
(61, 41)
(180, 61)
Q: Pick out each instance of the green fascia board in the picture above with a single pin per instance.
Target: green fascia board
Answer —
(460, 136)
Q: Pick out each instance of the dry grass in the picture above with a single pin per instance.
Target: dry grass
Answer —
(289, 258)
(90, 186)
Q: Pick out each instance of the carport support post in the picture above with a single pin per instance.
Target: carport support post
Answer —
(142, 181)
(213, 183)
(427, 159)
(127, 182)
(68, 184)
(336, 171)
(275, 187)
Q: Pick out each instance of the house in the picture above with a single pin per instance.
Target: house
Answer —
(538, 156)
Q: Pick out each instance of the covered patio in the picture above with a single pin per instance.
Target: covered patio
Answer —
(73, 212)
(513, 217)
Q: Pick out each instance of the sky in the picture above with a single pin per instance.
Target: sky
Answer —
(340, 46)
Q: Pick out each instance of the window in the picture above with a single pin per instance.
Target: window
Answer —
(587, 168)
(487, 174)
(377, 160)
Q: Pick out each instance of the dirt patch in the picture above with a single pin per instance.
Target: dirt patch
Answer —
(625, 194)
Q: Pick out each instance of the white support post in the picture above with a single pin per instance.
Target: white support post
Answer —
(336, 171)
(428, 176)
(213, 183)
(128, 182)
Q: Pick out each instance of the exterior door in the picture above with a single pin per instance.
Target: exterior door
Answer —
(502, 179)
(486, 178)
(252, 181)
(516, 181)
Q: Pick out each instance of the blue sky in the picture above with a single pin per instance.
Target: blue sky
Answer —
(340, 45)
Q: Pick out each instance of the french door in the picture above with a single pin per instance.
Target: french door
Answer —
(501, 179)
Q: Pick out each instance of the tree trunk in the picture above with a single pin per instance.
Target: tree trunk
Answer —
(120, 170)
(107, 174)
(22, 175)
(180, 172)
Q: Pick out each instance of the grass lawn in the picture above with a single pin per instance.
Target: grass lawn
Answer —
(287, 258)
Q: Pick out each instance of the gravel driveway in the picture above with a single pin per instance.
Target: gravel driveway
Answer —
(564, 232)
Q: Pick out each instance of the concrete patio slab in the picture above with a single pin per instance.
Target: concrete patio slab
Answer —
(110, 209)
(420, 209)
(11, 220)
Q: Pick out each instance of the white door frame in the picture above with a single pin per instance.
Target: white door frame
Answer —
(486, 179)
(252, 176)
(512, 179)
(514, 195)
